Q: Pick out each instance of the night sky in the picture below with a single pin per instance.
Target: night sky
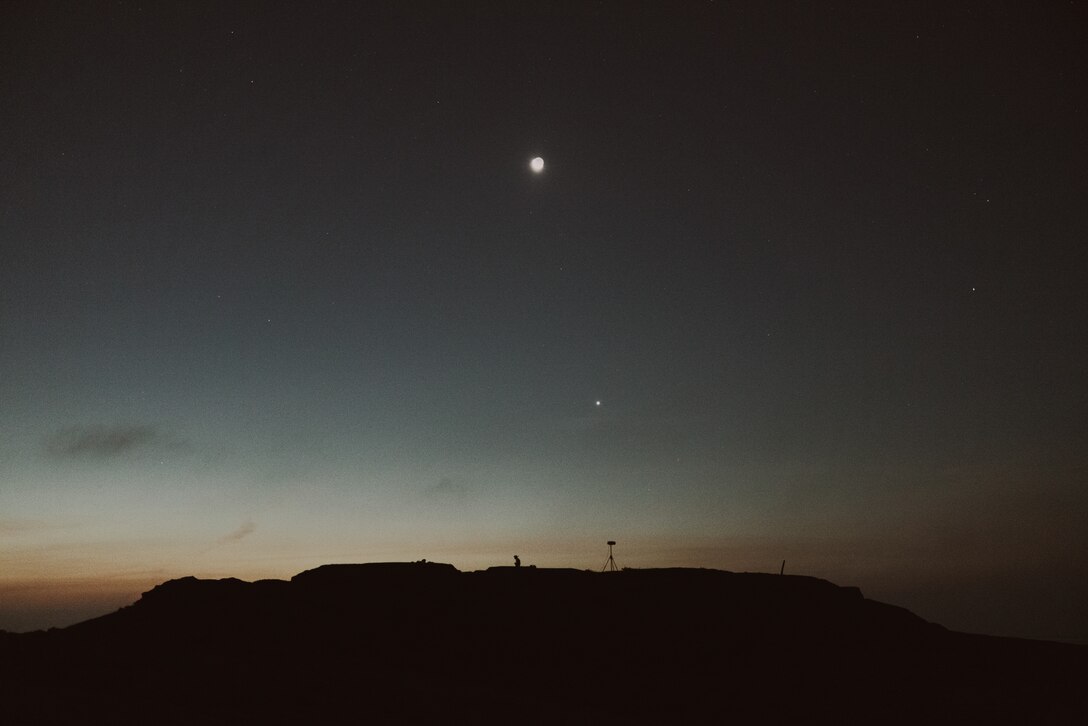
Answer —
(801, 281)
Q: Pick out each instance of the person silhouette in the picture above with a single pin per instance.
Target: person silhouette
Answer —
(517, 561)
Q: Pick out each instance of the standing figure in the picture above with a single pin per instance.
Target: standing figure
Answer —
(517, 561)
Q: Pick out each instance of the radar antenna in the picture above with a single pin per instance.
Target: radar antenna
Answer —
(610, 563)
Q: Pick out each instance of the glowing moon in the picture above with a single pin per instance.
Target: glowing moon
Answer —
(537, 165)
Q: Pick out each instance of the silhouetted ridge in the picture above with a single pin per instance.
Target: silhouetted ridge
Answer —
(377, 572)
(422, 642)
(532, 571)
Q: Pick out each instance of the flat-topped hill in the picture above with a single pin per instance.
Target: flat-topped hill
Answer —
(423, 642)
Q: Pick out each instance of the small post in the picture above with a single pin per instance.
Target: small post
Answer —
(782, 570)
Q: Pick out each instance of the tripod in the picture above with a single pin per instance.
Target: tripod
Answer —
(610, 563)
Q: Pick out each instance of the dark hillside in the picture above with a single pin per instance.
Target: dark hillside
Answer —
(423, 642)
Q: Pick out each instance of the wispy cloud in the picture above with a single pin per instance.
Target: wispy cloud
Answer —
(242, 532)
(101, 442)
(16, 526)
(109, 442)
(447, 488)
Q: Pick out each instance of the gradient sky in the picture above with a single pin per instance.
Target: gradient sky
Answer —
(278, 289)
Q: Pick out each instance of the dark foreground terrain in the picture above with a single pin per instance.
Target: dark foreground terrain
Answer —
(425, 643)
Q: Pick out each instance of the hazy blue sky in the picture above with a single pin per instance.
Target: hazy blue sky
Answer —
(278, 288)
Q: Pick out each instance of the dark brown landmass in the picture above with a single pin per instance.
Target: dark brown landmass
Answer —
(425, 643)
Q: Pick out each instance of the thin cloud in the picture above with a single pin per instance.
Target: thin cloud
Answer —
(15, 526)
(102, 442)
(242, 532)
(447, 488)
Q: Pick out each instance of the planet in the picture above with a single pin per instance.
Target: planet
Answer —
(537, 165)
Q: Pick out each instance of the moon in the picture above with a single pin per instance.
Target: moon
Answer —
(537, 165)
